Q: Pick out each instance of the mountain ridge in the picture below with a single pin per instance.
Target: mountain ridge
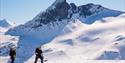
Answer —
(4, 23)
(60, 10)
(58, 15)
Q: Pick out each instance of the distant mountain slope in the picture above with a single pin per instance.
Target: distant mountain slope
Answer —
(4, 23)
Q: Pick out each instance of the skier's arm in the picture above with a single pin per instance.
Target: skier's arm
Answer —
(10, 52)
(36, 52)
(42, 53)
(15, 53)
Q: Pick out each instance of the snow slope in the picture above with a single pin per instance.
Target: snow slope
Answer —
(79, 43)
(4, 23)
(69, 32)
(82, 43)
(6, 42)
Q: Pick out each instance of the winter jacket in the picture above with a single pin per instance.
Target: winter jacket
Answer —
(12, 53)
(38, 51)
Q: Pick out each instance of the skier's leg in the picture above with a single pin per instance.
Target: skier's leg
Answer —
(41, 59)
(36, 59)
(12, 59)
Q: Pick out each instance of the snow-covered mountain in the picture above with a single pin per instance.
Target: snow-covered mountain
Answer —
(6, 41)
(48, 24)
(80, 43)
(72, 32)
(4, 23)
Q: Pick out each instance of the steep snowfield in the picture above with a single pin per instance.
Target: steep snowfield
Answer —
(81, 43)
(68, 34)
(6, 42)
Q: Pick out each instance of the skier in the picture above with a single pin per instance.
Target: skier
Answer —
(12, 54)
(39, 54)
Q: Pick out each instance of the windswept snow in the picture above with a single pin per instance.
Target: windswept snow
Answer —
(77, 43)
(81, 43)
(6, 42)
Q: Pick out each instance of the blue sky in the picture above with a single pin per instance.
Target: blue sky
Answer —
(21, 11)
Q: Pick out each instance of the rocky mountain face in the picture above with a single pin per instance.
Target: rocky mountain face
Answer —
(61, 10)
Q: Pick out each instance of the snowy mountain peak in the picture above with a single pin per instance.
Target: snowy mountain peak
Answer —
(57, 2)
(60, 0)
(61, 11)
(4, 23)
(57, 11)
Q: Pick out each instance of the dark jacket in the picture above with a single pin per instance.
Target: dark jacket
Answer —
(12, 52)
(38, 51)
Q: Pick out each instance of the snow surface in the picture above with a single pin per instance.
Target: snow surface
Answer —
(79, 39)
(76, 43)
